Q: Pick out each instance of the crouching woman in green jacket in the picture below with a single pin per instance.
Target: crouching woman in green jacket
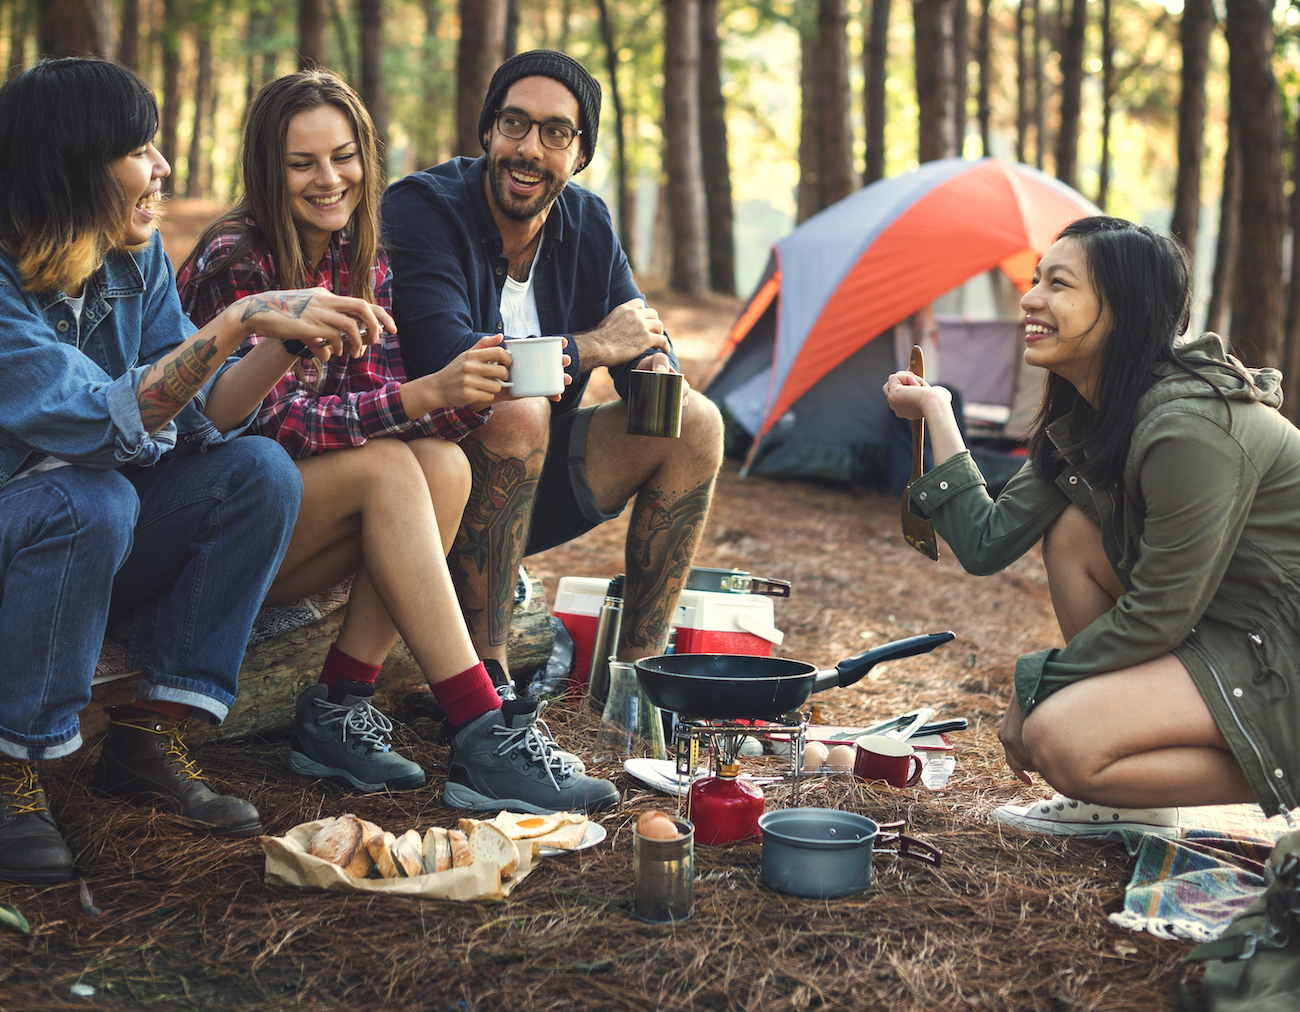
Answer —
(1165, 486)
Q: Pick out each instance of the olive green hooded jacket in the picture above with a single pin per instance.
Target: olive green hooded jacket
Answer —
(1205, 536)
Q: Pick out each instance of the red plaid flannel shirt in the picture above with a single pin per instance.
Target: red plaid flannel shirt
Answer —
(316, 408)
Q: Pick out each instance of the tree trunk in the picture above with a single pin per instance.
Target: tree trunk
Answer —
(932, 20)
(171, 97)
(688, 270)
(875, 54)
(313, 34)
(1194, 39)
(74, 28)
(342, 40)
(982, 56)
(1022, 83)
(1067, 141)
(1218, 315)
(510, 42)
(370, 17)
(428, 150)
(960, 73)
(202, 86)
(838, 177)
(128, 44)
(714, 156)
(626, 217)
(482, 41)
(1036, 66)
(1257, 293)
(20, 23)
(1107, 101)
(1291, 373)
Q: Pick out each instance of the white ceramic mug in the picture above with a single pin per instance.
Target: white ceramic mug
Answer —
(536, 366)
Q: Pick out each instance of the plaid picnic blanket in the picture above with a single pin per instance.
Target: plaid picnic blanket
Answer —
(1195, 886)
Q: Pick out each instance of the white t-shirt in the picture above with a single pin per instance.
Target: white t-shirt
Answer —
(519, 305)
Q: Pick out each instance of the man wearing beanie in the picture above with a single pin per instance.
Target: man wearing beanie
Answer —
(503, 245)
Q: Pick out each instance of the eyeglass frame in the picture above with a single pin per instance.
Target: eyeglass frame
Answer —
(496, 120)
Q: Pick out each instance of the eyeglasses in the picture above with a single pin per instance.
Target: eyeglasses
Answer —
(555, 136)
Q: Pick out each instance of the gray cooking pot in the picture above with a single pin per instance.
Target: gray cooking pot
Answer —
(821, 853)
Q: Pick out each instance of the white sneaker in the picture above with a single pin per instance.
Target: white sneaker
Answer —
(1062, 816)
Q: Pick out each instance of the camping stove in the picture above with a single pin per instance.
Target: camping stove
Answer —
(721, 739)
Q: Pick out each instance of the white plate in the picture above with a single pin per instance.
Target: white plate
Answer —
(594, 833)
(660, 775)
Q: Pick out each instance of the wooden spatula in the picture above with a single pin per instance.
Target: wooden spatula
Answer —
(918, 532)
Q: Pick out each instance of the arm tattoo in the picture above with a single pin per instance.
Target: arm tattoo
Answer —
(492, 537)
(181, 379)
(292, 306)
(661, 542)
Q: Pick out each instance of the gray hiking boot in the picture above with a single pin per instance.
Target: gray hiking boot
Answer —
(501, 760)
(507, 692)
(348, 739)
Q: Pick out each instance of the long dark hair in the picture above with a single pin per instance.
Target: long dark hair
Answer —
(62, 124)
(1144, 280)
(266, 197)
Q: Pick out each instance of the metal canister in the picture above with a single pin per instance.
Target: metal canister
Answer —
(664, 875)
(609, 623)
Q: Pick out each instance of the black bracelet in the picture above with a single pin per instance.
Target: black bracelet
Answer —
(297, 348)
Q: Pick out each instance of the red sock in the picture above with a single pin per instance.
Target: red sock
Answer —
(341, 667)
(467, 695)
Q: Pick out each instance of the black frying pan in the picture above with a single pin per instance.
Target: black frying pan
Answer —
(732, 686)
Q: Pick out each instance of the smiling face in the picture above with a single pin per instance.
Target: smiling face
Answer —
(139, 173)
(323, 175)
(1066, 323)
(524, 177)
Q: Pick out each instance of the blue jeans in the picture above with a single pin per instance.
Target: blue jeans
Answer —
(181, 553)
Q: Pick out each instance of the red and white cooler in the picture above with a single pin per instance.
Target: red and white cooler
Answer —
(706, 622)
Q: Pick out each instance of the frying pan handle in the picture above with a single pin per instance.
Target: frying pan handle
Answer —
(908, 846)
(853, 669)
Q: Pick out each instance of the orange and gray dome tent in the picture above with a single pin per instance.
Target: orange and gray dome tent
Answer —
(851, 272)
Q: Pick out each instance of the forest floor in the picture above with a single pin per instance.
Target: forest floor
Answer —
(1010, 921)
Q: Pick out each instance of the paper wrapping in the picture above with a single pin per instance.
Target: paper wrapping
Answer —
(288, 863)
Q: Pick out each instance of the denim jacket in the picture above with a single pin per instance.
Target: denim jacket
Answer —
(69, 389)
(449, 267)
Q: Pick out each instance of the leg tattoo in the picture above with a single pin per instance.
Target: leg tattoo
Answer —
(661, 542)
(492, 536)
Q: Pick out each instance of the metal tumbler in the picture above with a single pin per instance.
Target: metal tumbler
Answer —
(664, 873)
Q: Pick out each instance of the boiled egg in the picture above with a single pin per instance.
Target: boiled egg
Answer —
(840, 758)
(814, 755)
(656, 826)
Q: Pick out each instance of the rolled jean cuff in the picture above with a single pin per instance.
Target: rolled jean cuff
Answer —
(207, 708)
(36, 748)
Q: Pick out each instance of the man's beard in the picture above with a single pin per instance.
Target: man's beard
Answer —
(511, 204)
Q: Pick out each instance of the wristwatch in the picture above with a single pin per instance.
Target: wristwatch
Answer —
(297, 348)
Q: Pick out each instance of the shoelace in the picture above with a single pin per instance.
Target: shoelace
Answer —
(360, 720)
(536, 748)
(18, 782)
(177, 752)
(562, 765)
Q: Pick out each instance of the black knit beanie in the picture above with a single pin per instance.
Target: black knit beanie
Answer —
(547, 63)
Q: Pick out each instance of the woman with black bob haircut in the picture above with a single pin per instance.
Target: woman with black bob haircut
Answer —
(124, 494)
(1165, 487)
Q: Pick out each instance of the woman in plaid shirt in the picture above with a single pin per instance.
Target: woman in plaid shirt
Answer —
(384, 483)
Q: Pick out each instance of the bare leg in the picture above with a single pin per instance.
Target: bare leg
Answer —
(377, 503)
(506, 457)
(1140, 737)
(672, 480)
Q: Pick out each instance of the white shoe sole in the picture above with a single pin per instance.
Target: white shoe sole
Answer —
(1057, 827)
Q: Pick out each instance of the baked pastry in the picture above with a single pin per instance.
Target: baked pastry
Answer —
(460, 855)
(437, 850)
(362, 864)
(407, 854)
(381, 849)
(338, 842)
(567, 836)
(488, 845)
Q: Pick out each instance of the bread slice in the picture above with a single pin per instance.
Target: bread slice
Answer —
(460, 854)
(526, 827)
(489, 845)
(362, 864)
(573, 826)
(337, 843)
(436, 850)
(407, 854)
(381, 849)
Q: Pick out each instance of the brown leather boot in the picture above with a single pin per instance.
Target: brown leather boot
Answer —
(31, 850)
(144, 761)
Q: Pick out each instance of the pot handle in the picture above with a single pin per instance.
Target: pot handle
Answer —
(853, 669)
(908, 846)
(768, 588)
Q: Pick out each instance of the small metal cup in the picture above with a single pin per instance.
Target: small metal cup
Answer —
(654, 403)
(664, 875)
